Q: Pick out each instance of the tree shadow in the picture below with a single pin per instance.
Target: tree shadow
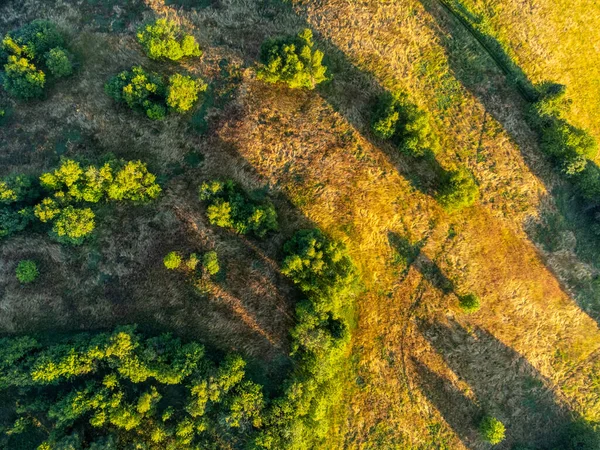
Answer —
(503, 383)
(484, 68)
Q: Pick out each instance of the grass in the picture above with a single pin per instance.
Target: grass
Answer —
(314, 152)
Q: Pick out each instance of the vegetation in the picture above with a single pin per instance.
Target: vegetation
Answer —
(459, 190)
(229, 206)
(292, 61)
(210, 262)
(405, 124)
(164, 39)
(27, 271)
(33, 52)
(492, 430)
(123, 388)
(172, 261)
(147, 92)
(469, 303)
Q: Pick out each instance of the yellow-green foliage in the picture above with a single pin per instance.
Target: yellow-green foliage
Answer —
(172, 260)
(458, 190)
(27, 271)
(125, 387)
(183, 91)
(72, 225)
(164, 39)
(292, 61)
(492, 430)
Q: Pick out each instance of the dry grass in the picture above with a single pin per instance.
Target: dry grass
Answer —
(421, 371)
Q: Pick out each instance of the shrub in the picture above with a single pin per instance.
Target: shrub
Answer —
(192, 262)
(140, 90)
(292, 61)
(210, 262)
(172, 261)
(33, 40)
(59, 62)
(458, 190)
(230, 207)
(22, 79)
(164, 39)
(14, 220)
(27, 271)
(469, 303)
(72, 225)
(133, 182)
(183, 91)
(492, 430)
(405, 124)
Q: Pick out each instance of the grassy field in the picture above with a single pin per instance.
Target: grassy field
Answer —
(421, 373)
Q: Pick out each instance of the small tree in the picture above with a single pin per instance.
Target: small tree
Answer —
(492, 430)
(210, 262)
(458, 191)
(469, 303)
(134, 182)
(59, 62)
(27, 271)
(164, 39)
(73, 224)
(140, 90)
(22, 79)
(172, 261)
(292, 61)
(183, 92)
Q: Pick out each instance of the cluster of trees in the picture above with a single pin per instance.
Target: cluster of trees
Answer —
(229, 206)
(59, 197)
(405, 124)
(123, 390)
(31, 55)
(152, 93)
(293, 61)
(209, 263)
(322, 269)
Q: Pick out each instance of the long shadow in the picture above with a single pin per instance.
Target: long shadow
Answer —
(481, 64)
(504, 384)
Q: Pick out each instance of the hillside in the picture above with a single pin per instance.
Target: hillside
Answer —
(418, 371)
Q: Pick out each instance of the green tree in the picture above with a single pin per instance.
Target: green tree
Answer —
(183, 92)
(27, 271)
(72, 225)
(492, 430)
(22, 78)
(14, 220)
(459, 190)
(60, 62)
(164, 39)
(172, 261)
(33, 40)
(293, 61)
(134, 182)
(469, 303)
(210, 262)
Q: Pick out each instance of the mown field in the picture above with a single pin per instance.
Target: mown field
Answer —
(421, 373)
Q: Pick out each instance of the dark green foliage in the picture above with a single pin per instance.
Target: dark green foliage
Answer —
(581, 435)
(122, 388)
(26, 271)
(492, 430)
(33, 52)
(60, 62)
(405, 124)
(292, 61)
(229, 206)
(14, 220)
(458, 190)
(148, 92)
(469, 303)
(164, 39)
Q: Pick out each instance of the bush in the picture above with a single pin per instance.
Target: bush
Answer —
(33, 40)
(27, 271)
(22, 79)
(133, 182)
(458, 190)
(230, 207)
(183, 91)
(172, 261)
(492, 430)
(13, 220)
(405, 124)
(72, 225)
(469, 303)
(210, 262)
(292, 61)
(59, 62)
(164, 39)
(140, 90)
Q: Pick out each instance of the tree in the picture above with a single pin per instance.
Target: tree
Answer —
(27, 271)
(164, 39)
(22, 78)
(469, 303)
(172, 261)
(33, 40)
(458, 190)
(134, 182)
(210, 262)
(492, 430)
(59, 62)
(403, 122)
(72, 225)
(183, 91)
(292, 60)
